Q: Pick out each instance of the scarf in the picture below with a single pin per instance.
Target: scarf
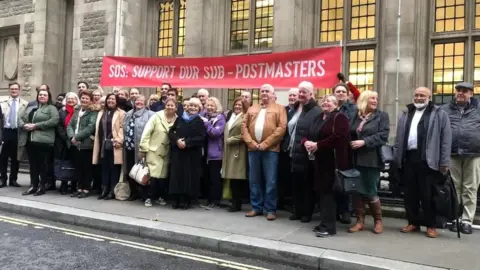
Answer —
(189, 117)
(364, 120)
(70, 110)
(232, 120)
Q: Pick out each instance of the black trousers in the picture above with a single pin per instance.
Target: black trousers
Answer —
(129, 163)
(50, 174)
(110, 171)
(239, 189)
(97, 177)
(37, 157)
(303, 194)
(9, 151)
(328, 212)
(82, 162)
(215, 181)
(157, 188)
(284, 182)
(343, 203)
(419, 182)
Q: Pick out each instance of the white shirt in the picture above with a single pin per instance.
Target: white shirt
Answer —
(413, 134)
(80, 114)
(259, 124)
(7, 117)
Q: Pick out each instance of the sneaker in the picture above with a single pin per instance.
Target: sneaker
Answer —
(148, 203)
(161, 201)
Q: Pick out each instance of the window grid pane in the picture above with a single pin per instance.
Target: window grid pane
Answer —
(233, 93)
(448, 66)
(477, 14)
(263, 24)
(321, 92)
(240, 14)
(165, 29)
(449, 15)
(361, 69)
(331, 21)
(476, 72)
(362, 25)
(181, 27)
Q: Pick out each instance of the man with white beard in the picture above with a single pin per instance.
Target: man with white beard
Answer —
(422, 152)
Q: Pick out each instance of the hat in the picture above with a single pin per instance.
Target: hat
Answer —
(464, 85)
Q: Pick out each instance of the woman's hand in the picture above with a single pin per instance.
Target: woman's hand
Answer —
(74, 142)
(357, 144)
(181, 144)
(143, 154)
(204, 119)
(117, 144)
(311, 146)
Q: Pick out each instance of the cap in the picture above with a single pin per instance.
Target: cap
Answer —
(465, 85)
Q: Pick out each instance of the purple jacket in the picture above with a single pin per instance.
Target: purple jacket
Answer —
(215, 127)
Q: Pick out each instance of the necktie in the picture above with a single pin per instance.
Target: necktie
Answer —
(12, 119)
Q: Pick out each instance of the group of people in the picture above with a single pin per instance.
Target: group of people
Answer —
(263, 150)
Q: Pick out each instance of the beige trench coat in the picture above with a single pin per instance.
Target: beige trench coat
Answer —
(234, 165)
(156, 144)
(117, 134)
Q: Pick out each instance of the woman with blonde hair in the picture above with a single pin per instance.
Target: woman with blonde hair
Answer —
(214, 124)
(187, 137)
(369, 130)
(155, 149)
(153, 98)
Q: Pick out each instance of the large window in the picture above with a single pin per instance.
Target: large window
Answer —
(251, 24)
(171, 27)
(449, 15)
(455, 49)
(233, 93)
(352, 24)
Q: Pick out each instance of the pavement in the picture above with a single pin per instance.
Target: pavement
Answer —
(38, 244)
(281, 241)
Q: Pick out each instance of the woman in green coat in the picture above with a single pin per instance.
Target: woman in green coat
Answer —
(234, 165)
(80, 132)
(39, 122)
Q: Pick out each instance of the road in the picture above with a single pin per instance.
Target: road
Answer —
(29, 243)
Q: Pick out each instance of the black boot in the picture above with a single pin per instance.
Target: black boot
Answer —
(30, 191)
(13, 183)
(3, 183)
(110, 196)
(104, 193)
(40, 190)
(50, 186)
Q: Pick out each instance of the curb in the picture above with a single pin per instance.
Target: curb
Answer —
(222, 242)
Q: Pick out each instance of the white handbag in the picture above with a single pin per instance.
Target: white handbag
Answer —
(140, 173)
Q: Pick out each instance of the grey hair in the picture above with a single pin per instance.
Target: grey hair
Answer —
(196, 101)
(332, 97)
(268, 87)
(217, 104)
(70, 94)
(205, 91)
(293, 90)
(307, 86)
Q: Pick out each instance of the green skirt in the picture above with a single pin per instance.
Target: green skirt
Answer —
(370, 178)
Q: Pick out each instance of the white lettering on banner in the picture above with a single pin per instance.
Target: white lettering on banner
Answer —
(214, 72)
(118, 71)
(160, 72)
(301, 69)
(189, 72)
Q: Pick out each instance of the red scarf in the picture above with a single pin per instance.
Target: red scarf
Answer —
(70, 110)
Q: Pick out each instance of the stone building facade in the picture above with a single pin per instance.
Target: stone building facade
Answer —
(60, 42)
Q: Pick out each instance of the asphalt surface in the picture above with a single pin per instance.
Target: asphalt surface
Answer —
(29, 243)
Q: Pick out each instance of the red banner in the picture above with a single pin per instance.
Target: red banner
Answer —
(282, 70)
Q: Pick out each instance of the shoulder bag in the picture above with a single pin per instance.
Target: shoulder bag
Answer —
(122, 189)
(140, 173)
(346, 181)
(63, 169)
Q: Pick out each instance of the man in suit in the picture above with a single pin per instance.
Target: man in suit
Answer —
(12, 109)
(160, 105)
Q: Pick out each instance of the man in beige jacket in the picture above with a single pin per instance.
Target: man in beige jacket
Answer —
(262, 130)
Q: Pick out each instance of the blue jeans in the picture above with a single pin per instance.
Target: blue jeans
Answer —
(263, 181)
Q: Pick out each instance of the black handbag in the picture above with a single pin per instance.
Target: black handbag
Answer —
(346, 181)
(386, 153)
(64, 170)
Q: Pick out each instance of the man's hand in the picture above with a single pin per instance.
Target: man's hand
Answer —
(443, 169)
(341, 77)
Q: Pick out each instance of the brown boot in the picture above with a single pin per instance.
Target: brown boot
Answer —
(376, 210)
(359, 206)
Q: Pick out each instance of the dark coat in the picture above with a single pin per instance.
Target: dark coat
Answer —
(309, 114)
(333, 137)
(60, 147)
(160, 106)
(186, 164)
(375, 134)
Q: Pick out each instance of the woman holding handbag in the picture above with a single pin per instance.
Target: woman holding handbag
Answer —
(79, 132)
(135, 121)
(155, 149)
(328, 139)
(369, 131)
(108, 145)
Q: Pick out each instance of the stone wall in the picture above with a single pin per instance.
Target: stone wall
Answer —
(16, 7)
(91, 68)
(28, 29)
(94, 30)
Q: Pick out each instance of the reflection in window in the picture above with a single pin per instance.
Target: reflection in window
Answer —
(449, 15)
(361, 68)
(363, 19)
(240, 13)
(477, 14)
(476, 74)
(448, 65)
(263, 24)
(331, 21)
(181, 27)
(233, 93)
(321, 92)
(165, 29)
